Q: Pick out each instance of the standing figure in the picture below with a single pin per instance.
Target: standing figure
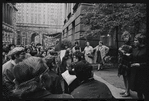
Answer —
(100, 52)
(124, 62)
(76, 47)
(88, 50)
(17, 55)
(139, 69)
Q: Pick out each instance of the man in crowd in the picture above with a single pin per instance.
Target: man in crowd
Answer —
(89, 87)
(17, 55)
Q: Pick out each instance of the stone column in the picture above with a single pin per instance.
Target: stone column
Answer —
(3, 12)
(11, 16)
(6, 17)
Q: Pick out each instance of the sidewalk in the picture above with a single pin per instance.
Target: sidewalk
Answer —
(115, 83)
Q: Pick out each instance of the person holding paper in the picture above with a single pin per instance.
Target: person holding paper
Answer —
(66, 61)
(77, 56)
(89, 87)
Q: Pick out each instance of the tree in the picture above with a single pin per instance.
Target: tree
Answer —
(105, 17)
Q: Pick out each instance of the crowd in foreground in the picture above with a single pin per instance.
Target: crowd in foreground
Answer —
(28, 74)
(32, 72)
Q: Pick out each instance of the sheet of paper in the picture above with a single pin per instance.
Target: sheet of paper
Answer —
(62, 53)
(68, 78)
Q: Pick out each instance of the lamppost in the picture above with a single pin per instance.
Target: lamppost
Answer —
(117, 41)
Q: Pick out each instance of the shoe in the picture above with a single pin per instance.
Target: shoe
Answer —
(122, 93)
(126, 95)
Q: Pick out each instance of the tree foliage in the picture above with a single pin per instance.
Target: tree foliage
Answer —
(104, 17)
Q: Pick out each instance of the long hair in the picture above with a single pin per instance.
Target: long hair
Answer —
(126, 33)
(27, 76)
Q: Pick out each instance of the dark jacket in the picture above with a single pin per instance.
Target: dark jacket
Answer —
(53, 83)
(43, 94)
(139, 75)
(92, 89)
(124, 60)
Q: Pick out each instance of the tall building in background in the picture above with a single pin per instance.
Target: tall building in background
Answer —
(8, 23)
(40, 13)
(34, 20)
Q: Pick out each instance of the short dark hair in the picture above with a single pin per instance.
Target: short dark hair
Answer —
(79, 55)
(77, 48)
(101, 42)
(83, 70)
(141, 38)
(10, 45)
(76, 42)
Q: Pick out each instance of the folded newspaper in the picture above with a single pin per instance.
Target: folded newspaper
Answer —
(68, 78)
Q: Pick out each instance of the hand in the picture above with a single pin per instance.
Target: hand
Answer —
(135, 64)
(118, 75)
(127, 54)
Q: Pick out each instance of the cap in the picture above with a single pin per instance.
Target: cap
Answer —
(15, 50)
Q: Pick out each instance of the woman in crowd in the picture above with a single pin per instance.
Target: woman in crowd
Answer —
(17, 55)
(100, 52)
(76, 47)
(88, 50)
(89, 87)
(139, 68)
(124, 62)
(30, 80)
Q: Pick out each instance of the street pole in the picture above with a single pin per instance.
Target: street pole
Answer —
(117, 41)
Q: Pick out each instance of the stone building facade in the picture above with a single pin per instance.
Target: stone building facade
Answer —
(73, 28)
(9, 23)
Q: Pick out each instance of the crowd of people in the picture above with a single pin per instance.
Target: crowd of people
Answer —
(32, 72)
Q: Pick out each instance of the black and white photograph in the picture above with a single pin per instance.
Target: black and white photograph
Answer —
(74, 51)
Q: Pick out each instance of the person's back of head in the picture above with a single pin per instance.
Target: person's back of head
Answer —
(83, 70)
(50, 61)
(28, 75)
(79, 55)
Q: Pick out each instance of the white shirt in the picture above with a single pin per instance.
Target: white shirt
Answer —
(88, 49)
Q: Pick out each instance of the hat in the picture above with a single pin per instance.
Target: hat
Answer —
(29, 69)
(15, 50)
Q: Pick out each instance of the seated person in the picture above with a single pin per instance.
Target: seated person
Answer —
(29, 80)
(89, 87)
